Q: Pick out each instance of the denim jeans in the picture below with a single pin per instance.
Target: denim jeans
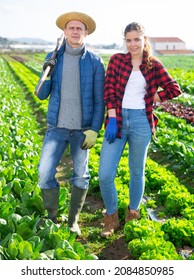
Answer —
(55, 143)
(136, 132)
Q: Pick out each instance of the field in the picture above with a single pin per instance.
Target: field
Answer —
(166, 229)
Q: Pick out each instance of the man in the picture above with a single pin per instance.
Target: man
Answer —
(75, 114)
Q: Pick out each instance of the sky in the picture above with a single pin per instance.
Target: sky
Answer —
(36, 18)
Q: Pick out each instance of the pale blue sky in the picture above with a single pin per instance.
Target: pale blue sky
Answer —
(36, 18)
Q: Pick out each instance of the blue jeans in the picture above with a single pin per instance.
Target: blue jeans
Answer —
(137, 132)
(55, 143)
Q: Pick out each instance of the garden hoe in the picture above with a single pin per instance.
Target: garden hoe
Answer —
(46, 71)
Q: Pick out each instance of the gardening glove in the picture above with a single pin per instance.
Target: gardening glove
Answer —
(111, 130)
(49, 62)
(90, 139)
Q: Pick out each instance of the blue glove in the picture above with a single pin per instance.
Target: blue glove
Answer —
(111, 130)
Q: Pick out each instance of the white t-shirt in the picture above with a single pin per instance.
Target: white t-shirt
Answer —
(135, 91)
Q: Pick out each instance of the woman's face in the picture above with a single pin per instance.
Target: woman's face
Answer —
(134, 43)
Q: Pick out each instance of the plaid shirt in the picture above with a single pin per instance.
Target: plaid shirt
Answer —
(117, 75)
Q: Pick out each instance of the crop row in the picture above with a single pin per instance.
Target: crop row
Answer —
(168, 204)
(175, 141)
(28, 79)
(181, 68)
(179, 110)
(20, 201)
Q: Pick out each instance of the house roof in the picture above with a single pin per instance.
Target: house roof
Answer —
(166, 39)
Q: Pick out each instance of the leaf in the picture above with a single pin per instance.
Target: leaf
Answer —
(15, 217)
(49, 254)
(25, 250)
(13, 250)
(2, 182)
(24, 231)
(65, 254)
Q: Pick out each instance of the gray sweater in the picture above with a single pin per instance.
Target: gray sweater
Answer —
(70, 112)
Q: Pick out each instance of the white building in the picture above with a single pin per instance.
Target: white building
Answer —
(169, 46)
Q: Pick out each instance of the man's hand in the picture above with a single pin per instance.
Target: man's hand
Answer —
(111, 130)
(90, 139)
(50, 62)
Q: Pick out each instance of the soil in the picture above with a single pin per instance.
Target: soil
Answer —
(117, 249)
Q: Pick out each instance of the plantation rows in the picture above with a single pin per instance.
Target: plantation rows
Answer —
(20, 200)
(166, 228)
(183, 108)
(179, 111)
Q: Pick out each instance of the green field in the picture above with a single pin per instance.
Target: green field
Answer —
(167, 210)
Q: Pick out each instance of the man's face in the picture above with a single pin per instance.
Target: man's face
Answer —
(75, 32)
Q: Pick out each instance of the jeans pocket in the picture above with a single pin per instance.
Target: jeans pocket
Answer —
(143, 111)
(50, 126)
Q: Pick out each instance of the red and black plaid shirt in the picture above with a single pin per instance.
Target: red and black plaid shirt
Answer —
(117, 75)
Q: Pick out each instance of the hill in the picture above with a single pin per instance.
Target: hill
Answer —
(24, 40)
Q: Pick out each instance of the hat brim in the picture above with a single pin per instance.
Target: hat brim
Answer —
(63, 19)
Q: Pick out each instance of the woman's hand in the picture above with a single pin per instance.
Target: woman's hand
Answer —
(111, 130)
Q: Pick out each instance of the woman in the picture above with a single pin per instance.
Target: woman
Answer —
(131, 88)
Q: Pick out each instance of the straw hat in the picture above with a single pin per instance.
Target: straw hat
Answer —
(63, 19)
